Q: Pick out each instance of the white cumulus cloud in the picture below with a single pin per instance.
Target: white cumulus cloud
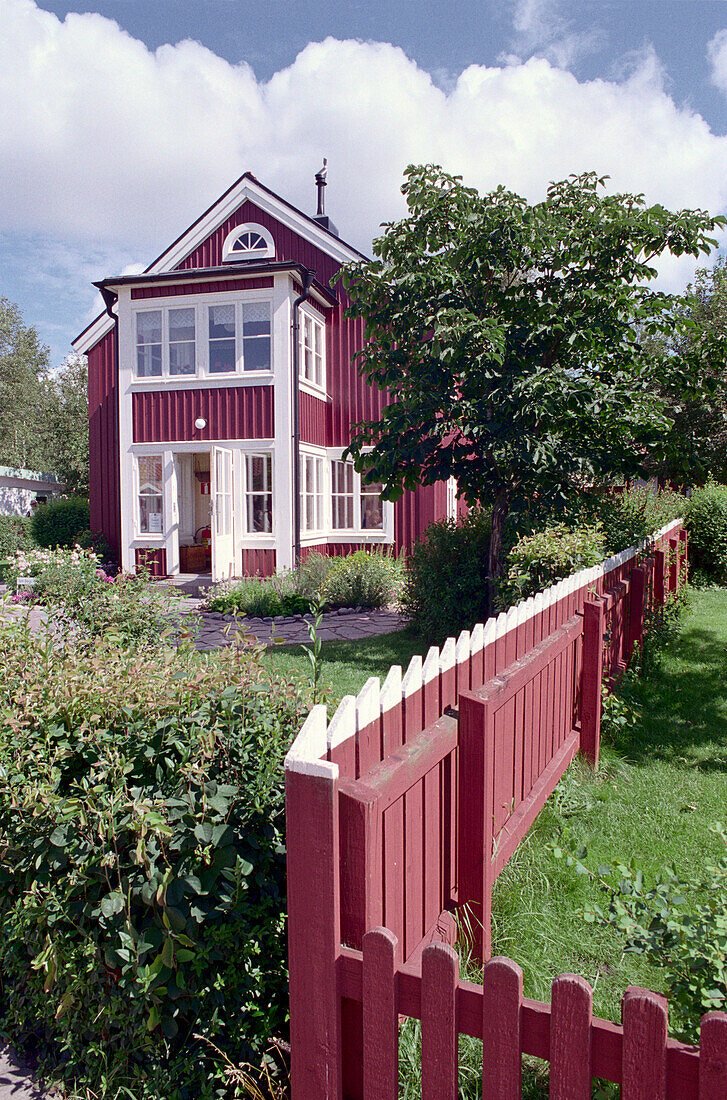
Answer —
(109, 146)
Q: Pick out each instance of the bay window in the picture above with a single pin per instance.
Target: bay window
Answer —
(234, 337)
(342, 495)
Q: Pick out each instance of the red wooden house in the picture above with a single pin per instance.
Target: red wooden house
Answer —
(221, 398)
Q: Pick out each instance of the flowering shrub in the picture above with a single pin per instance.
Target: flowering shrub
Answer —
(72, 583)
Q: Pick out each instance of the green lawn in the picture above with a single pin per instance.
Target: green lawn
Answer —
(653, 801)
(348, 665)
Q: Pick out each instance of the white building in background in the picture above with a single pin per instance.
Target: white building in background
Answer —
(22, 490)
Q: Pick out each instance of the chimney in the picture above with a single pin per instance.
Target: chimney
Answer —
(321, 216)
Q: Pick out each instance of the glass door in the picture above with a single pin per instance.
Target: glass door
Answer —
(223, 526)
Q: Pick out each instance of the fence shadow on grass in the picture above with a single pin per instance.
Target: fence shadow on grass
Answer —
(684, 705)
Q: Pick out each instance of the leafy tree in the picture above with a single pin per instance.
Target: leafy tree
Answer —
(511, 337)
(66, 394)
(23, 363)
(697, 345)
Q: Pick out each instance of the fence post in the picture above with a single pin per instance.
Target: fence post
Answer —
(594, 622)
(673, 564)
(311, 811)
(637, 588)
(476, 818)
(685, 553)
(659, 570)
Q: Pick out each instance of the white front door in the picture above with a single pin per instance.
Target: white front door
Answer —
(223, 519)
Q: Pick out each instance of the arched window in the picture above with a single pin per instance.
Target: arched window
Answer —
(248, 242)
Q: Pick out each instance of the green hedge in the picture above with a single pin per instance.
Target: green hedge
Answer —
(142, 865)
(60, 522)
(706, 520)
(446, 586)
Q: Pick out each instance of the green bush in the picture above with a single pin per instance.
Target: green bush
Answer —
(635, 514)
(706, 521)
(142, 865)
(539, 560)
(96, 541)
(366, 578)
(14, 535)
(60, 522)
(446, 586)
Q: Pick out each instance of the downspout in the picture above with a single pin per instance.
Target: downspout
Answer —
(308, 277)
(110, 298)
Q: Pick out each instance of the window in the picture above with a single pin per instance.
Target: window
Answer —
(181, 341)
(151, 494)
(259, 494)
(354, 505)
(149, 344)
(342, 495)
(256, 336)
(238, 337)
(372, 507)
(311, 493)
(248, 242)
(222, 339)
(311, 351)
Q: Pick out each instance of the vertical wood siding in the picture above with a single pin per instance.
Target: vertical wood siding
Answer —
(103, 432)
(238, 412)
(220, 286)
(258, 563)
(315, 419)
(153, 558)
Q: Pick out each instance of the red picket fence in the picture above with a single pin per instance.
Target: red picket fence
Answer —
(637, 1055)
(410, 801)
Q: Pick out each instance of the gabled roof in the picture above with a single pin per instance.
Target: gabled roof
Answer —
(247, 187)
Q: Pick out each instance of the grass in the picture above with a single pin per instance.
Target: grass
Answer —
(348, 665)
(653, 800)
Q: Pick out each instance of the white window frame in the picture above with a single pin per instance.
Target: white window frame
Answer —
(230, 256)
(153, 536)
(357, 533)
(319, 324)
(322, 493)
(201, 305)
(247, 491)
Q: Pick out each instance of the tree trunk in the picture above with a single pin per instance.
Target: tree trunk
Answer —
(500, 510)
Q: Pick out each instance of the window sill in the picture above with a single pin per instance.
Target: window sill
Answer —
(313, 390)
(209, 381)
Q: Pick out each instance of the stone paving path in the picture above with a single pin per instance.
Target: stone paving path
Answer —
(336, 626)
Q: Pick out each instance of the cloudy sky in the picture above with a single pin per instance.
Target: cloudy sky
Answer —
(120, 124)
